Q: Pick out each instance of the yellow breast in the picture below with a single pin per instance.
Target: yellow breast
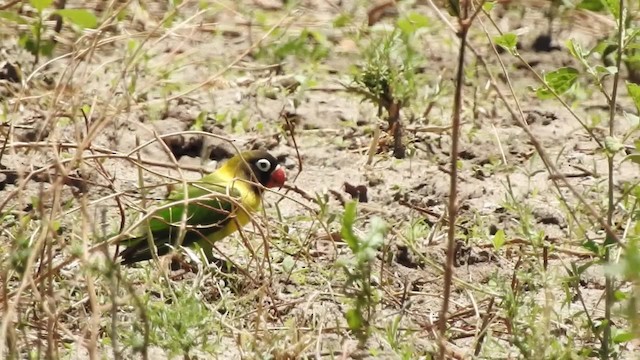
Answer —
(249, 201)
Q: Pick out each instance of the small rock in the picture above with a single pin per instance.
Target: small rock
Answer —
(546, 214)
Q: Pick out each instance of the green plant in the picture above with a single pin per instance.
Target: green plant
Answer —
(607, 47)
(33, 41)
(358, 270)
(181, 324)
(564, 83)
(387, 77)
(308, 46)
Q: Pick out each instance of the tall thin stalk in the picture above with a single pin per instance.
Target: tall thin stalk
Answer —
(606, 338)
(464, 23)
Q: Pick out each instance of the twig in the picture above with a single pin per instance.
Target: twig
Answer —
(299, 191)
(373, 147)
(423, 210)
(291, 128)
(609, 282)
(464, 23)
(486, 320)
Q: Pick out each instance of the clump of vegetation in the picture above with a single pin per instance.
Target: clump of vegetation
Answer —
(181, 324)
(387, 78)
(308, 47)
(359, 271)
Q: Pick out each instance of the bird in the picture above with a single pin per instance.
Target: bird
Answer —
(217, 205)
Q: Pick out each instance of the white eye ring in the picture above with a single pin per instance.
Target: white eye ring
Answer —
(263, 165)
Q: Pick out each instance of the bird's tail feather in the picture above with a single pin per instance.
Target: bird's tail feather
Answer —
(139, 250)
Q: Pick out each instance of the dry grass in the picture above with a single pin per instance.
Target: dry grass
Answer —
(97, 131)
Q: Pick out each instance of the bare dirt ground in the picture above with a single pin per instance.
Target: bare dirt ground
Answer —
(217, 69)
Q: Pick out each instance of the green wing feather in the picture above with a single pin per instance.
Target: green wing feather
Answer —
(206, 214)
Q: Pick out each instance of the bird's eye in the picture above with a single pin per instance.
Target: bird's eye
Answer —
(263, 165)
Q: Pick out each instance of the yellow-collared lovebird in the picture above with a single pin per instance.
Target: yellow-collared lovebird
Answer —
(216, 205)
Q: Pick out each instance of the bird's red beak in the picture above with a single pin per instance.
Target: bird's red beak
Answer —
(278, 177)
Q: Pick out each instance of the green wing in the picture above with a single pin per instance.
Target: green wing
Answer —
(206, 213)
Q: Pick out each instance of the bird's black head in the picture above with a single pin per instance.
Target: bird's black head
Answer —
(264, 167)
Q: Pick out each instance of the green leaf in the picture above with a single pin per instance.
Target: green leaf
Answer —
(198, 123)
(576, 50)
(342, 20)
(631, 60)
(593, 5)
(612, 145)
(40, 5)
(498, 239)
(488, 6)
(631, 260)
(559, 81)
(584, 267)
(634, 93)
(13, 16)
(591, 246)
(121, 15)
(288, 263)
(608, 70)
(132, 46)
(619, 295)
(348, 220)
(623, 337)
(47, 46)
(613, 6)
(35, 202)
(412, 22)
(354, 319)
(375, 237)
(507, 41)
(81, 17)
(635, 157)
(43, 47)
